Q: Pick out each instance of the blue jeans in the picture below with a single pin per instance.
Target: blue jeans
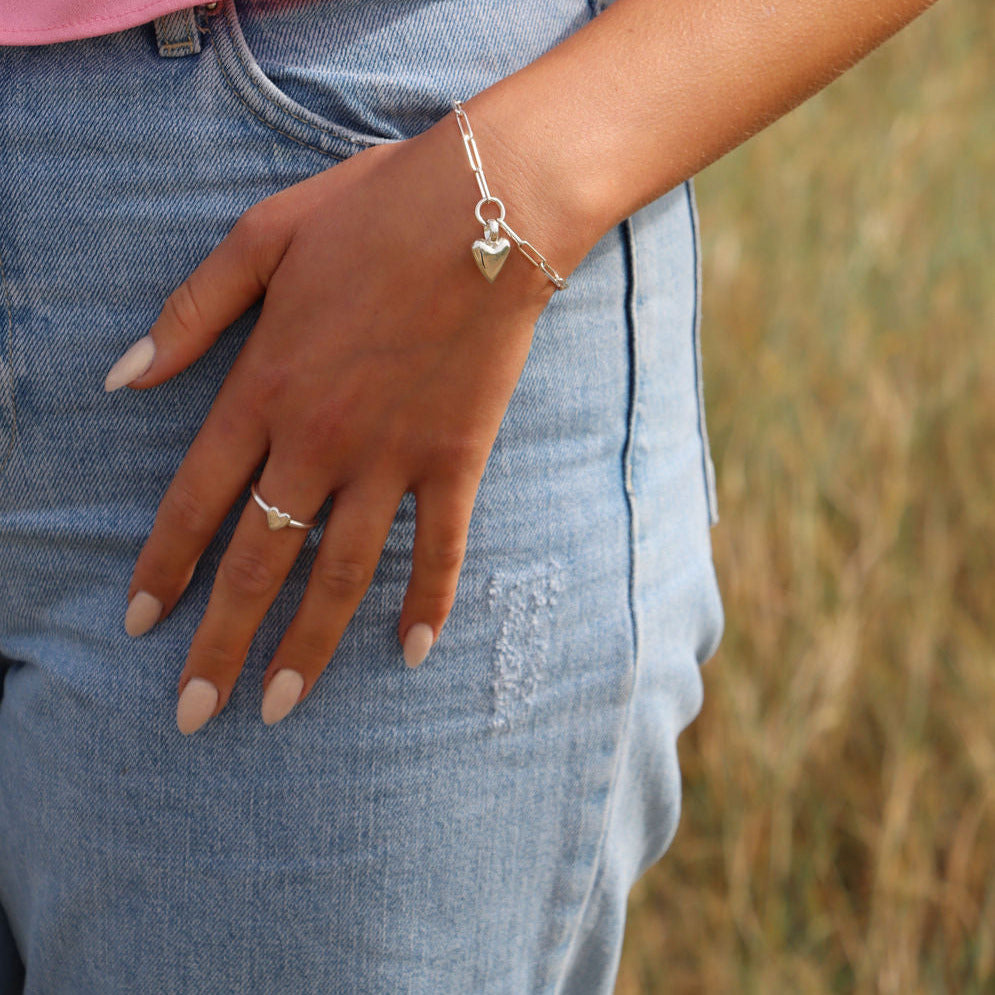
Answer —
(472, 826)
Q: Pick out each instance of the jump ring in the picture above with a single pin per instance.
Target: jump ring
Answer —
(489, 200)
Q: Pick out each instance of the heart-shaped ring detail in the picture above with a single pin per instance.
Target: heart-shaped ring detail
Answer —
(277, 519)
(490, 256)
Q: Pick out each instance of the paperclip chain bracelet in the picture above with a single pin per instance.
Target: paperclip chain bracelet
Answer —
(492, 250)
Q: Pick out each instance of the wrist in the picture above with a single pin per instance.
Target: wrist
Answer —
(437, 164)
(545, 202)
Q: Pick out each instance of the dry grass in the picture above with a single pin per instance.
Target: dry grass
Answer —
(839, 822)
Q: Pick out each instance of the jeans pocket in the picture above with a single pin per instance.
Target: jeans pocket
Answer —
(312, 123)
(341, 75)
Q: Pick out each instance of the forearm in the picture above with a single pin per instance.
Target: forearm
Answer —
(652, 91)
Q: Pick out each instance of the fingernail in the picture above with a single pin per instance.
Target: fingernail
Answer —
(143, 612)
(132, 364)
(417, 643)
(282, 693)
(196, 705)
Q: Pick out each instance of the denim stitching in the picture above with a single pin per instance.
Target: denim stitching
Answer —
(189, 46)
(230, 15)
(8, 367)
(707, 466)
(629, 252)
(268, 124)
(189, 43)
(241, 56)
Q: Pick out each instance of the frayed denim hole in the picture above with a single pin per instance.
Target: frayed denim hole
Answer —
(526, 606)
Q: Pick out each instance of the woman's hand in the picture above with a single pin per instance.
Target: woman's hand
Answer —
(382, 362)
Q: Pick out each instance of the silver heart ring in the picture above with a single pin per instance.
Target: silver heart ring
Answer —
(275, 518)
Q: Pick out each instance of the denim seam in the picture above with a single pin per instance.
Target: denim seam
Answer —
(707, 466)
(170, 45)
(597, 873)
(263, 121)
(8, 367)
(267, 124)
(240, 55)
(229, 15)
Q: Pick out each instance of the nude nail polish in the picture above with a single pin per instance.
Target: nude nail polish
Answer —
(143, 612)
(196, 705)
(282, 693)
(417, 643)
(132, 364)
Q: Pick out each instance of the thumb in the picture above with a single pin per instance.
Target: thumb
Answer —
(229, 281)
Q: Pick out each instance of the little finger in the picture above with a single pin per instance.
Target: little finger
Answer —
(442, 521)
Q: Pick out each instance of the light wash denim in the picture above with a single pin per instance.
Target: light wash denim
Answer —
(473, 826)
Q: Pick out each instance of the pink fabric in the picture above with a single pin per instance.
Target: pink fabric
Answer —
(38, 22)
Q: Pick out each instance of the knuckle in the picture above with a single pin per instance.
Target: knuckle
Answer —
(433, 605)
(182, 309)
(182, 510)
(328, 418)
(259, 238)
(268, 384)
(341, 580)
(312, 647)
(247, 574)
(458, 453)
(216, 658)
(445, 556)
(254, 226)
(309, 437)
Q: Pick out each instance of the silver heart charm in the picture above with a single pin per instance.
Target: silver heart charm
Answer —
(490, 256)
(276, 519)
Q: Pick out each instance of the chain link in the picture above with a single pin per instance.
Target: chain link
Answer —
(527, 249)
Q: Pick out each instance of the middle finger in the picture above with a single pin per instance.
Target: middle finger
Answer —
(350, 548)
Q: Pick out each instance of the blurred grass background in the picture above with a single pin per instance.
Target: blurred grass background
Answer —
(838, 832)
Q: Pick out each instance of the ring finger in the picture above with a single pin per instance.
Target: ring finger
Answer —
(250, 574)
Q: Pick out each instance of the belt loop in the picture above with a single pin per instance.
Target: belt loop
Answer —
(177, 34)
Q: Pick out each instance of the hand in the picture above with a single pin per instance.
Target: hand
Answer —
(382, 362)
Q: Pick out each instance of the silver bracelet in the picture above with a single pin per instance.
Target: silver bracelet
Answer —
(490, 252)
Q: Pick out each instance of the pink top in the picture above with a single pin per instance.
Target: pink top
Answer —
(38, 22)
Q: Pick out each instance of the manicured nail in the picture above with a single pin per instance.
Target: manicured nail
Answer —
(143, 612)
(282, 693)
(132, 364)
(417, 643)
(196, 706)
